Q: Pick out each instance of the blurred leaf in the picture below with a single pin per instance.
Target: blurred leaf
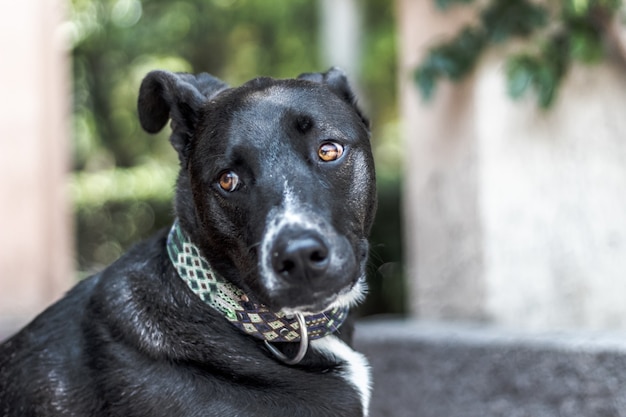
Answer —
(452, 60)
(520, 71)
(543, 71)
(586, 45)
(445, 4)
(583, 8)
(426, 79)
(575, 32)
(504, 19)
(576, 7)
(546, 81)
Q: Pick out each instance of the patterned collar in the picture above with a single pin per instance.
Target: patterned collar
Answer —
(254, 319)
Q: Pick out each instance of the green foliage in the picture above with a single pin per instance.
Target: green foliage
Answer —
(504, 19)
(575, 33)
(543, 72)
(117, 41)
(445, 4)
(452, 60)
(379, 64)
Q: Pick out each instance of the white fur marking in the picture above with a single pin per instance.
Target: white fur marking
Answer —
(353, 297)
(350, 299)
(356, 369)
(292, 213)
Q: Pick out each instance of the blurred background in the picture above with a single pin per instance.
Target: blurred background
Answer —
(498, 133)
(112, 183)
(498, 262)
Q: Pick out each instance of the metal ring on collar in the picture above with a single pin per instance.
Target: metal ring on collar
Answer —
(304, 344)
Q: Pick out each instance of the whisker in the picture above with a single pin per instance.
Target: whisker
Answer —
(254, 245)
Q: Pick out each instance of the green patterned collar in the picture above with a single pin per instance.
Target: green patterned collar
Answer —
(254, 319)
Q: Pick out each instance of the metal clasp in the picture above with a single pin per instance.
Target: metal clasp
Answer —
(304, 345)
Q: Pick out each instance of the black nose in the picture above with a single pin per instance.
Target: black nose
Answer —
(300, 257)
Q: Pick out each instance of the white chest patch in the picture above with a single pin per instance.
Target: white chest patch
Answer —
(356, 369)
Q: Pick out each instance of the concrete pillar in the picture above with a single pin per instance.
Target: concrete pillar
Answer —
(514, 215)
(35, 233)
(442, 233)
(553, 201)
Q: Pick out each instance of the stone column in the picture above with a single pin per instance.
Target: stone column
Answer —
(514, 215)
(552, 197)
(442, 232)
(35, 223)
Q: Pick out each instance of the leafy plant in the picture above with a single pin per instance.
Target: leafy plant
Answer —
(554, 34)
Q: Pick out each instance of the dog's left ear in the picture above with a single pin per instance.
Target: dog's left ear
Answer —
(166, 95)
(338, 83)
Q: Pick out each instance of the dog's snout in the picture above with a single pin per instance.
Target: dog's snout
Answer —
(300, 257)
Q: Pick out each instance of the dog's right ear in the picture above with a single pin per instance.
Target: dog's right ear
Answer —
(336, 80)
(179, 96)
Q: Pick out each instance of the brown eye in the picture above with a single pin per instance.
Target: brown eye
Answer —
(330, 151)
(229, 181)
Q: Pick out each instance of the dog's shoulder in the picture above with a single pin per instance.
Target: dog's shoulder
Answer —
(44, 359)
(49, 358)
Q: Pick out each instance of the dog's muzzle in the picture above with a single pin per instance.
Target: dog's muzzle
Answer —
(304, 270)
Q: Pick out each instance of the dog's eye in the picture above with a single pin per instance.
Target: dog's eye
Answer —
(229, 181)
(330, 151)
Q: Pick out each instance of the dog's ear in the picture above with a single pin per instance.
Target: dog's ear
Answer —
(179, 96)
(337, 81)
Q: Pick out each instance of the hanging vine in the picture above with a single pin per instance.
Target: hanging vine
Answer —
(554, 34)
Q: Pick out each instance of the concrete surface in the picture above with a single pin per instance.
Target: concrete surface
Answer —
(453, 370)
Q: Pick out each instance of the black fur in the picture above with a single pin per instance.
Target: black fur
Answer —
(133, 340)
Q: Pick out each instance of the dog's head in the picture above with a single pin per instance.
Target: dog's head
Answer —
(277, 183)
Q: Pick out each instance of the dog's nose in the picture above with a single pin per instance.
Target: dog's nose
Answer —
(301, 257)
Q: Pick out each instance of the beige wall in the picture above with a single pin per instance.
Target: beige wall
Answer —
(35, 243)
(552, 193)
(442, 233)
(513, 215)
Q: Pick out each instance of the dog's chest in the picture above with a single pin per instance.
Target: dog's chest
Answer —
(354, 367)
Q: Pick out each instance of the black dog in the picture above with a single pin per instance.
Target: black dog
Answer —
(239, 308)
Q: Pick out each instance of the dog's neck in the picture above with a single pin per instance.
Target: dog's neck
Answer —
(251, 318)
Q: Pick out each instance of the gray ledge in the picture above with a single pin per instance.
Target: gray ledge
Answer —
(461, 370)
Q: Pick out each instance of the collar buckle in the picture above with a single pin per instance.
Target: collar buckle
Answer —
(302, 349)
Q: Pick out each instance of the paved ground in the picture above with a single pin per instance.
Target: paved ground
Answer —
(435, 370)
